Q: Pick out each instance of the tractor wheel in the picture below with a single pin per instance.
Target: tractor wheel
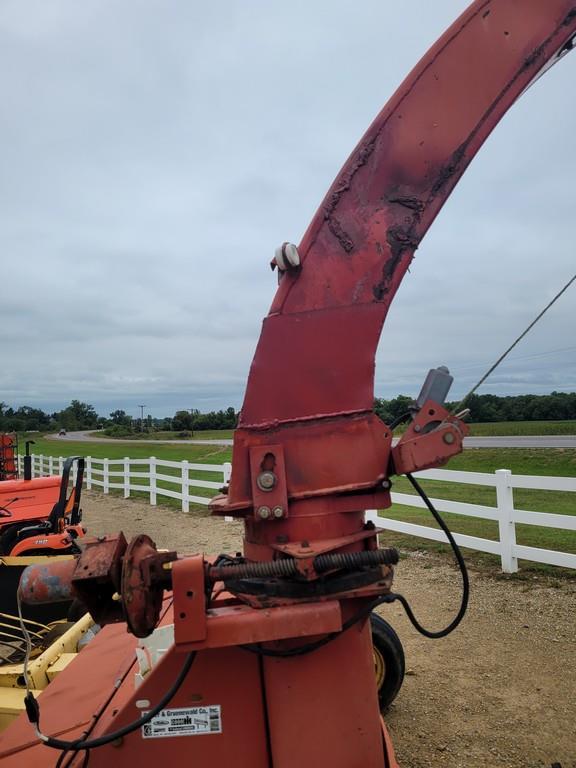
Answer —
(389, 661)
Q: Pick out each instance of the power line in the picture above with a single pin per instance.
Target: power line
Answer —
(514, 343)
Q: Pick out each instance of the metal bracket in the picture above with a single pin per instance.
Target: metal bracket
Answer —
(268, 480)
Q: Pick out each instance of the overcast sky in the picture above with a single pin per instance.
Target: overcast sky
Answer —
(155, 152)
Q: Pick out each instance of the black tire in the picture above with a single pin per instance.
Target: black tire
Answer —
(389, 662)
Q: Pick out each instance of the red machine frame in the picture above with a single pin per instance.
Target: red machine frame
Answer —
(308, 404)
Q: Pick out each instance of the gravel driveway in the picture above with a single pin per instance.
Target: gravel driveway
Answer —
(500, 691)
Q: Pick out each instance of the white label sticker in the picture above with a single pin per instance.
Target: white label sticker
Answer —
(185, 721)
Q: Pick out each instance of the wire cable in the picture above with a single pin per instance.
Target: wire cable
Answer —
(493, 367)
(389, 598)
(82, 744)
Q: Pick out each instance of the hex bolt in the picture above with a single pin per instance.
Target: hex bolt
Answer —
(386, 484)
(448, 438)
(266, 480)
(264, 512)
(278, 512)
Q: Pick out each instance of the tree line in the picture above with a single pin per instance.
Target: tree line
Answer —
(83, 416)
(557, 406)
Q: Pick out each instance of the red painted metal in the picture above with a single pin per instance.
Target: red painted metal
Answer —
(28, 499)
(189, 585)
(433, 436)
(309, 404)
(8, 462)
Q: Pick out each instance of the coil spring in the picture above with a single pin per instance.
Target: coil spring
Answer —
(269, 569)
(346, 561)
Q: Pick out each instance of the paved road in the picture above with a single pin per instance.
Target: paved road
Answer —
(87, 437)
(522, 441)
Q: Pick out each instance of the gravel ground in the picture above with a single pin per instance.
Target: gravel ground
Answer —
(500, 691)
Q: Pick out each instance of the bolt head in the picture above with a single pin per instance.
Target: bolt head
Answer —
(264, 512)
(448, 438)
(278, 512)
(386, 484)
(266, 481)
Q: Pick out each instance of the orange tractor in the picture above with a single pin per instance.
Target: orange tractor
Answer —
(39, 517)
(265, 659)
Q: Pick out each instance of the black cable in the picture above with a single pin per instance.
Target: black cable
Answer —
(461, 564)
(71, 755)
(86, 744)
(390, 598)
(309, 647)
(399, 419)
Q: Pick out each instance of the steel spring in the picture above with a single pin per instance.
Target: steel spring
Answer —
(348, 561)
(270, 569)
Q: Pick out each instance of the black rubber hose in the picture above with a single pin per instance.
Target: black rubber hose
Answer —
(461, 564)
(85, 744)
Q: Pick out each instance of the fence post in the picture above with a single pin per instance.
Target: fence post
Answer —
(152, 461)
(74, 474)
(185, 486)
(371, 516)
(227, 473)
(505, 504)
(126, 477)
(50, 465)
(105, 476)
(89, 472)
(60, 464)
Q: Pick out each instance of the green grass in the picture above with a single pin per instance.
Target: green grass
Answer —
(513, 428)
(208, 434)
(207, 454)
(195, 454)
(552, 462)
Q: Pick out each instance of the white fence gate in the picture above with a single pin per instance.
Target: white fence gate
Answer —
(120, 474)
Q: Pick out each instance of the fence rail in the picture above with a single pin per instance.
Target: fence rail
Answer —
(120, 474)
(504, 513)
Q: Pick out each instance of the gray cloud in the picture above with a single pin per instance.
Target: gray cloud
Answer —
(154, 153)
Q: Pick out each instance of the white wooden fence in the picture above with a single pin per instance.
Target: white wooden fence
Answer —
(120, 474)
(503, 513)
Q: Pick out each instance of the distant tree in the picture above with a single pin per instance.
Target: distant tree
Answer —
(77, 416)
(120, 417)
(183, 421)
(390, 410)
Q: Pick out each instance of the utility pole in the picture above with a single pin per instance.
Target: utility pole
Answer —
(141, 417)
